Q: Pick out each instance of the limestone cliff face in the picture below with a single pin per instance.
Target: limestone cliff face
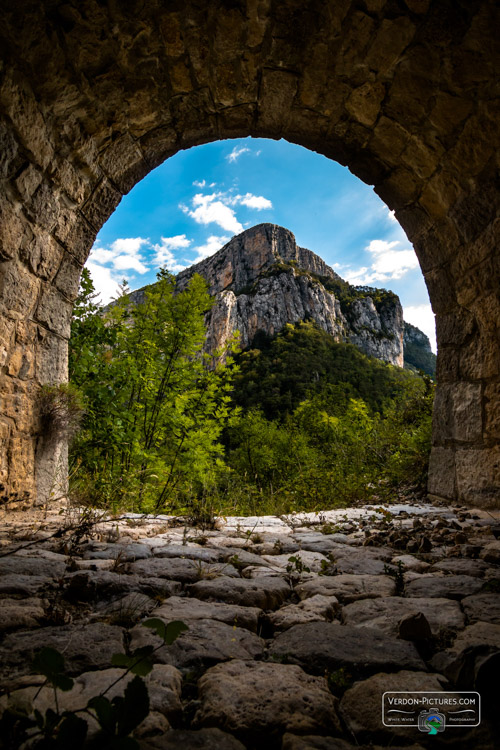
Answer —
(262, 280)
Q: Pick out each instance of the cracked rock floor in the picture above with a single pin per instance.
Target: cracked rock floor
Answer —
(296, 625)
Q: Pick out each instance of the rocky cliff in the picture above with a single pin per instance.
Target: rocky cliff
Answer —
(262, 280)
(417, 350)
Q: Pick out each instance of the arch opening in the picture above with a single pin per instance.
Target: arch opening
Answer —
(400, 95)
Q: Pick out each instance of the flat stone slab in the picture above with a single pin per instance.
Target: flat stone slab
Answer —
(480, 638)
(361, 564)
(32, 566)
(164, 685)
(203, 739)
(311, 560)
(84, 646)
(126, 610)
(257, 698)
(461, 566)
(89, 585)
(182, 569)
(449, 587)
(384, 614)
(484, 607)
(317, 646)
(323, 608)
(120, 552)
(17, 584)
(207, 642)
(264, 593)
(361, 705)
(205, 554)
(188, 609)
(348, 588)
(21, 613)
(244, 557)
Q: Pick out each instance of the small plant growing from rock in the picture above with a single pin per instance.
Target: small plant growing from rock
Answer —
(117, 718)
(398, 574)
(61, 410)
(295, 569)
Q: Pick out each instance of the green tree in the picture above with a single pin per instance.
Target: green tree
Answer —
(156, 405)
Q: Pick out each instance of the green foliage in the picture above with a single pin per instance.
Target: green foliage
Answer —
(303, 361)
(420, 359)
(155, 405)
(335, 427)
(398, 573)
(418, 356)
(117, 718)
(168, 633)
(301, 423)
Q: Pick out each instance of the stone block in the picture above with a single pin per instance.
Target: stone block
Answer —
(447, 365)
(390, 40)
(389, 140)
(458, 412)
(455, 327)
(441, 290)
(18, 290)
(75, 234)
(44, 206)
(13, 231)
(54, 311)
(75, 183)
(124, 163)
(51, 358)
(28, 181)
(21, 363)
(478, 476)
(42, 254)
(158, 144)
(278, 90)
(21, 106)
(442, 482)
(492, 410)
(10, 160)
(422, 159)
(101, 204)
(480, 358)
(399, 189)
(439, 194)
(68, 277)
(364, 102)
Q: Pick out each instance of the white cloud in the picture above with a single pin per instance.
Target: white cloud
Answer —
(105, 285)
(176, 242)
(391, 215)
(422, 317)
(388, 263)
(129, 263)
(208, 209)
(253, 201)
(210, 247)
(236, 153)
(129, 245)
(123, 254)
(101, 255)
(200, 183)
(164, 256)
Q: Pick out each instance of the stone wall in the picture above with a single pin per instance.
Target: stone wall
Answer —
(92, 97)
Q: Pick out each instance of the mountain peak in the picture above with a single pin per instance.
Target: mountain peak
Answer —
(250, 254)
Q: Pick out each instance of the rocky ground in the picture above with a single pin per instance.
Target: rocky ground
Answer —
(296, 626)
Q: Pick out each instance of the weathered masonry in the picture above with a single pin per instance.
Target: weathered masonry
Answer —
(93, 95)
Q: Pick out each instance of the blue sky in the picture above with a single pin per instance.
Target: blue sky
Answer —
(191, 205)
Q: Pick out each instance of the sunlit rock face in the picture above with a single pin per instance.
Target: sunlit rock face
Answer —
(263, 280)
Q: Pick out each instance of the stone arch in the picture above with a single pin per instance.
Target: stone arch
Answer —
(94, 96)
